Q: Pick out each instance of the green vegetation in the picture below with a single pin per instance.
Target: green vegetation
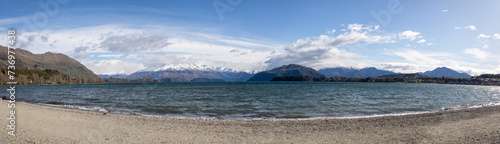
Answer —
(291, 78)
(143, 80)
(47, 76)
(486, 79)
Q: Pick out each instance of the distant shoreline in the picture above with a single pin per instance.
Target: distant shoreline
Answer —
(43, 124)
(401, 78)
(258, 81)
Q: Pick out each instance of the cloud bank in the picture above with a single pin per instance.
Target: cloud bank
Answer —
(324, 50)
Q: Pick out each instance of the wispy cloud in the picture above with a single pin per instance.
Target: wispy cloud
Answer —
(10, 21)
(476, 53)
(419, 58)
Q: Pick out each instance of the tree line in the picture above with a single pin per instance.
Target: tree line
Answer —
(485, 79)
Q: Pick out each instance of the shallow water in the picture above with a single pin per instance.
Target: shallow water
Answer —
(250, 100)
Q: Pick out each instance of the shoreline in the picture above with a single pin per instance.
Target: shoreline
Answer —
(292, 117)
(45, 124)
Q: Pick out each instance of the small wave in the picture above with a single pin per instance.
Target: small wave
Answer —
(55, 103)
(97, 109)
(299, 118)
(496, 103)
(406, 109)
(163, 111)
(263, 116)
(294, 116)
(124, 112)
(459, 107)
(170, 116)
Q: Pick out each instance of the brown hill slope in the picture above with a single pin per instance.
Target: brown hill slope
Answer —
(28, 63)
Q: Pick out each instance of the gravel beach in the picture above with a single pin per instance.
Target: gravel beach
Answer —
(44, 124)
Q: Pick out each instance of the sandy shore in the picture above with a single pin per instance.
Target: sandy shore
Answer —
(42, 124)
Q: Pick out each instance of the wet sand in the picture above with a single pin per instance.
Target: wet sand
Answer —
(43, 124)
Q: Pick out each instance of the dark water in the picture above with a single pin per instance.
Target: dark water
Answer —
(260, 100)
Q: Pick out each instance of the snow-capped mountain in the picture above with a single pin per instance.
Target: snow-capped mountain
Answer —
(187, 72)
(181, 67)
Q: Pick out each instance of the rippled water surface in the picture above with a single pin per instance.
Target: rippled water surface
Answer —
(244, 100)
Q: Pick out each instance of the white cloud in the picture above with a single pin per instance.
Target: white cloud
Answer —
(445, 10)
(113, 66)
(81, 53)
(416, 61)
(418, 57)
(360, 27)
(421, 41)
(134, 42)
(243, 42)
(10, 21)
(324, 50)
(331, 32)
(234, 51)
(409, 35)
(471, 27)
(496, 36)
(483, 36)
(144, 47)
(476, 53)
(401, 67)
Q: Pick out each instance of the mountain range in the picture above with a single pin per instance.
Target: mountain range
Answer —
(116, 76)
(446, 72)
(198, 73)
(287, 70)
(58, 67)
(184, 72)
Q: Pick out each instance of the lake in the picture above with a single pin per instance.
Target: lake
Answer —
(260, 100)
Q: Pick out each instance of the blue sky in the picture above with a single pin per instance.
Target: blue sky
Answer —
(125, 36)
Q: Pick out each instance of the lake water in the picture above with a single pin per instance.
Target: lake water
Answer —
(260, 100)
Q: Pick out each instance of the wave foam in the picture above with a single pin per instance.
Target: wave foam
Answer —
(177, 116)
(97, 109)
(459, 107)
